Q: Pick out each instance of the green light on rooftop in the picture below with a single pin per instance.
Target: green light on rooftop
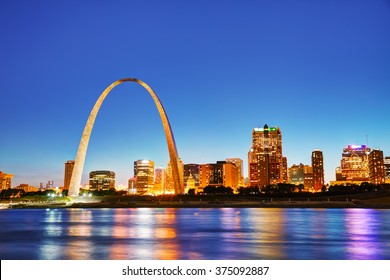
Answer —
(258, 129)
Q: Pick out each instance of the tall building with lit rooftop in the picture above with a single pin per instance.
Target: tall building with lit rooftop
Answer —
(144, 173)
(266, 164)
(354, 165)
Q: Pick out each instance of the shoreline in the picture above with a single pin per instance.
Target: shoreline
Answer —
(368, 200)
(224, 204)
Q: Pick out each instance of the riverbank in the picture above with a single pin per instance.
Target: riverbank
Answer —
(369, 200)
(379, 202)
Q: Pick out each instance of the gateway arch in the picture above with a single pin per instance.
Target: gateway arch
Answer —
(75, 180)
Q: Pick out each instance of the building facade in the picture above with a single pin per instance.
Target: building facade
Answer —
(301, 175)
(376, 167)
(239, 163)
(266, 164)
(169, 186)
(132, 185)
(101, 180)
(296, 174)
(5, 181)
(27, 188)
(144, 173)
(193, 170)
(309, 180)
(190, 184)
(69, 165)
(222, 173)
(354, 165)
(159, 180)
(387, 167)
(317, 162)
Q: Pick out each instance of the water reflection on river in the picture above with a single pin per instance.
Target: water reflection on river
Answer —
(226, 233)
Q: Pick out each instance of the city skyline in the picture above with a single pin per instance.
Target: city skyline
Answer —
(302, 66)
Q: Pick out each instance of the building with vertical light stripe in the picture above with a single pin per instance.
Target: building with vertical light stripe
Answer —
(317, 163)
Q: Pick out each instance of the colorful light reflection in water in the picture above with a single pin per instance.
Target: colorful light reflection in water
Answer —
(226, 233)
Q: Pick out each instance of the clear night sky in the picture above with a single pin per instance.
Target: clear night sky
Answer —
(320, 70)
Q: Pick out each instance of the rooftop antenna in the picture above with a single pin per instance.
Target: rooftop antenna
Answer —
(367, 140)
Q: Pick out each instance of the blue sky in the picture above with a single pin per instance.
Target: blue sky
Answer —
(320, 70)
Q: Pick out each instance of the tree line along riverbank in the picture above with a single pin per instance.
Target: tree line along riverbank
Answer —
(298, 200)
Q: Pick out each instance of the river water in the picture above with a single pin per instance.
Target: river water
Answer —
(192, 233)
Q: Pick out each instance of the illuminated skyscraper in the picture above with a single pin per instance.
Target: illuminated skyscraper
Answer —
(308, 182)
(266, 163)
(206, 172)
(377, 167)
(101, 180)
(387, 167)
(284, 169)
(240, 168)
(317, 162)
(159, 180)
(354, 164)
(222, 173)
(68, 173)
(5, 181)
(144, 172)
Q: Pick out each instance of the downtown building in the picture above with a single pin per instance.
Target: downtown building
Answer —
(5, 181)
(169, 185)
(296, 174)
(222, 173)
(191, 170)
(301, 175)
(387, 169)
(69, 165)
(354, 165)
(101, 180)
(377, 167)
(239, 163)
(317, 163)
(144, 174)
(159, 180)
(132, 185)
(266, 163)
(27, 188)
